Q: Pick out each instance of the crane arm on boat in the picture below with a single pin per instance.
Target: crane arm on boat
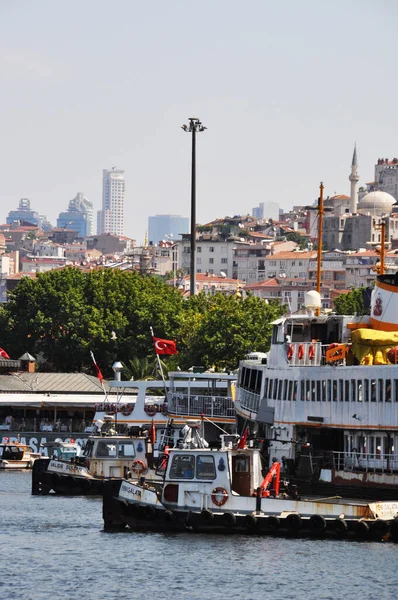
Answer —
(273, 478)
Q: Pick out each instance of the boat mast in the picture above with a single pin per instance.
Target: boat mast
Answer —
(320, 223)
(383, 246)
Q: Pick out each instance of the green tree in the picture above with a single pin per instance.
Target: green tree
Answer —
(351, 303)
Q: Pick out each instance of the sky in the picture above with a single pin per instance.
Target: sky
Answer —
(285, 89)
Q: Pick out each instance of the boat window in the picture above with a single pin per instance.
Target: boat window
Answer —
(182, 467)
(126, 449)
(366, 390)
(12, 453)
(295, 390)
(334, 391)
(307, 390)
(290, 392)
(396, 390)
(302, 391)
(353, 390)
(381, 390)
(258, 382)
(373, 390)
(266, 387)
(106, 448)
(347, 391)
(280, 389)
(341, 390)
(359, 391)
(242, 463)
(318, 391)
(205, 467)
(276, 382)
(271, 382)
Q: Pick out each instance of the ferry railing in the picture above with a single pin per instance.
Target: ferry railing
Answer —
(197, 405)
(369, 462)
(305, 354)
(249, 400)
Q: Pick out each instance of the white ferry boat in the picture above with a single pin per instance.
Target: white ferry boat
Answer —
(325, 397)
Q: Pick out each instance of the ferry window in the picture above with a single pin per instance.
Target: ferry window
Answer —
(381, 390)
(347, 391)
(271, 382)
(387, 390)
(366, 390)
(182, 467)
(258, 381)
(334, 391)
(307, 390)
(126, 449)
(359, 391)
(242, 463)
(396, 390)
(318, 391)
(294, 390)
(276, 382)
(280, 389)
(302, 391)
(290, 391)
(313, 391)
(253, 377)
(205, 467)
(353, 390)
(373, 390)
(106, 449)
(266, 387)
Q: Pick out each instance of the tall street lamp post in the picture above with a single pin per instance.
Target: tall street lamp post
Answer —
(194, 127)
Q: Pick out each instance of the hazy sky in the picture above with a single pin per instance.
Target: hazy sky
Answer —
(285, 89)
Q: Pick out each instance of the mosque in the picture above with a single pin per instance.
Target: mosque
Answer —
(354, 222)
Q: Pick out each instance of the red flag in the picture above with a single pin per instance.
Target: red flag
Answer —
(152, 433)
(164, 346)
(3, 353)
(242, 441)
(99, 374)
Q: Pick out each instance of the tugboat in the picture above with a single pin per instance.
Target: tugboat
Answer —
(224, 491)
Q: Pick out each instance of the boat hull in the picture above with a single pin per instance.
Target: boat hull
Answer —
(45, 482)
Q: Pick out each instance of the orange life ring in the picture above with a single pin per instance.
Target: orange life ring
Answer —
(215, 496)
(300, 351)
(311, 352)
(290, 352)
(139, 467)
(151, 410)
(126, 409)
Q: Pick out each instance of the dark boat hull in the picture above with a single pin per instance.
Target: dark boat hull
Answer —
(45, 482)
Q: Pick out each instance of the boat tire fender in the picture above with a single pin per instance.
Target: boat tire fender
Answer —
(340, 526)
(207, 515)
(317, 524)
(273, 523)
(362, 528)
(170, 516)
(149, 512)
(380, 527)
(250, 522)
(229, 519)
(293, 522)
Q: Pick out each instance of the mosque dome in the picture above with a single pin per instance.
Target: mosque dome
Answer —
(376, 203)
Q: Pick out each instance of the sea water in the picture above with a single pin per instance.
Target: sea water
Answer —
(53, 548)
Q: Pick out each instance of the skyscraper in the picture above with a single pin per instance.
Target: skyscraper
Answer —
(163, 227)
(79, 216)
(111, 217)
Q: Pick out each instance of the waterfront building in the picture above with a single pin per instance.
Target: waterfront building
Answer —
(79, 216)
(164, 227)
(111, 218)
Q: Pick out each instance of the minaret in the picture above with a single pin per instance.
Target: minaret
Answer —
(354, 178)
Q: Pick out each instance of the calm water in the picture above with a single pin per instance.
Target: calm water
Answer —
(53, 548)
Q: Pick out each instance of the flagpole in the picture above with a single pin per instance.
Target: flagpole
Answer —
(160, 368)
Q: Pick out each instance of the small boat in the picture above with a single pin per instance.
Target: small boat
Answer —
(224, 491)
(14, 455)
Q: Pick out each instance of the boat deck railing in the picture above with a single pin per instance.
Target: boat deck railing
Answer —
(369, 463)
(196, 405)
(249, 400)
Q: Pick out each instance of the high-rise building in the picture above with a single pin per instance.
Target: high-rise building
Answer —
(24, 214)
(111, 218)
(164, 227)
(266, 210)
(79, 216)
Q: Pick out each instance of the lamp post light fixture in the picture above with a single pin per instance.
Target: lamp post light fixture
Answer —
(173, 247)
(195, 126)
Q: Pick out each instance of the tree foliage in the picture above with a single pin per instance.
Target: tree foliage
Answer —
(351, 303)
(62, 315)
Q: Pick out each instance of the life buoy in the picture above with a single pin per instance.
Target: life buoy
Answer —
(311, 352)
(139, 467)
(300, 351)
(219, 496)
(151, 410)
(290, 352)
(126, 409)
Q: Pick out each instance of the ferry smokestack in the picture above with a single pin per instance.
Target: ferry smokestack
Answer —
(117, 368)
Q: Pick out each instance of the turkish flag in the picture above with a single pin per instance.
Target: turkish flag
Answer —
(3, 353)
(164, 346)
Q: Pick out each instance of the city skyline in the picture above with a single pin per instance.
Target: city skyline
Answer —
(284, 101)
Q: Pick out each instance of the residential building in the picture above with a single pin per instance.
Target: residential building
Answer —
(109, 243)
(249, 259)
(211, 283)
(166, 227)
(111, 218)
